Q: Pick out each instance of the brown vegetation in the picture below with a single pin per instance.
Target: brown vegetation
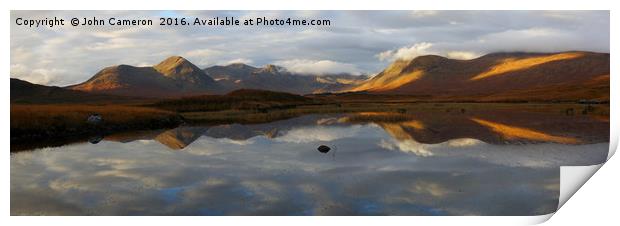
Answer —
(40, 122)
(244, 99)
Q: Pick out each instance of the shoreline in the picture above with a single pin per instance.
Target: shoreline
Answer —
(62, 129)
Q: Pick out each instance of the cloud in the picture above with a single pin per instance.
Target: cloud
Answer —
(45, 76)
(462, 55)
(240, 61)
(357, 41)
(201, 53)
(112, 43)
(421, 49)
(407, 52)
(319, 67)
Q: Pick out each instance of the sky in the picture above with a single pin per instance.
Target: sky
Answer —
(357, 42)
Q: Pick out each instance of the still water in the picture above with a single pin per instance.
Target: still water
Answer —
(378, 164)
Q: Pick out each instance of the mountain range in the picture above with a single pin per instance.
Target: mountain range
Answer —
(511, 76)
(276, 78)
(497, 76)
(176, 76)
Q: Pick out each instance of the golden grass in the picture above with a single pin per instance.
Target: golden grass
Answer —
(513, 132)
(511, 64)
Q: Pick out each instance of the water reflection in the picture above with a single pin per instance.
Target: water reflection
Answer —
(387, 164)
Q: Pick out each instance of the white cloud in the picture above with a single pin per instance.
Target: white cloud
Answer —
(421, 49)
(462, 55)
(44, 76)
(203, 57)
(112, 43)
(240, 61)
(407, 52)
(317, 66)
(201, 53)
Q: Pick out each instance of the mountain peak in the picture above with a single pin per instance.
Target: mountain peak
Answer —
(241, 66)
(173, 61)
(270, 68)
(176, 66)
(238, 65)
(429, 60)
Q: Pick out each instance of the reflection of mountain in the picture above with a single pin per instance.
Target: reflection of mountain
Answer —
(180, 137)
(513, 132)
(497, 127)
(456, 129)
(498, 76)
(270, 130)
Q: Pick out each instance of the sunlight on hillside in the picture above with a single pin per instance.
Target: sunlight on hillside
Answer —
(512, 64)
(390, 82)
(513, 132)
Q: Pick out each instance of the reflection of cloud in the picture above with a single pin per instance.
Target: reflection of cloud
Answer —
(534, 156)
(420, 149)
(430, 188)
(237, 142)
(407, 146)
(463, 142)
(318, 133)
(218, 176)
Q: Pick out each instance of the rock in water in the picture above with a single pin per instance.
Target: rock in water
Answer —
(94, 119)
(323, 149)
(95, 139)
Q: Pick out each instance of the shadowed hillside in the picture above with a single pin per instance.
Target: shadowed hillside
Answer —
(28, 93)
